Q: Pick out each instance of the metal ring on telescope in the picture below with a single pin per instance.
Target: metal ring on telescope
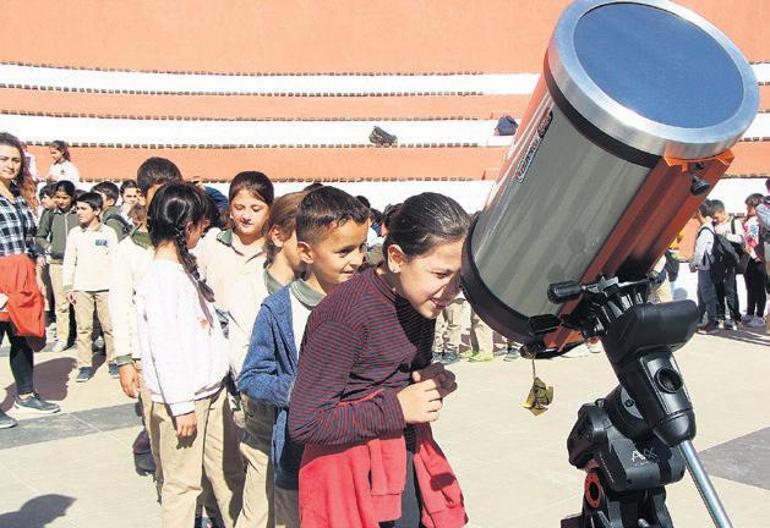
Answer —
(627, 68)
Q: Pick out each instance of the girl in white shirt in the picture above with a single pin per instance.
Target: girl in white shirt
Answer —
(62, 167)
(185, 360)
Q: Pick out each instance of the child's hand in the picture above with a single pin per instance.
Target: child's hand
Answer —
(445, 378)
(70, 297)
(186, 425)
(421, 402)
(129, 380)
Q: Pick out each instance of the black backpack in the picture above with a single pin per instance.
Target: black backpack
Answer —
(723, 257)
(740, 250)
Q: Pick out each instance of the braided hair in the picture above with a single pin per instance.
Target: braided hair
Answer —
(176, 205)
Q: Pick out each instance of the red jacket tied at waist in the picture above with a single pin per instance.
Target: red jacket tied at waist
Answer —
(360, 486)
(25, 302)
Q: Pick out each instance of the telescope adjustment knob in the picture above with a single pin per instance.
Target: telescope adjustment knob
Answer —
(561, 292)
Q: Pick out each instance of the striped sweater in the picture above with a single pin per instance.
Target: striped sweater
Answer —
(361, 339)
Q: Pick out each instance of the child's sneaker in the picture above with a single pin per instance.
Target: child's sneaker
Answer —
(595, 346)
(34, 403)
(577, 352)
(730, 325)
(84, 374)
(113, 370)
(481, 358)
(709, 329)
(6, 422)
(59, 347)
(513, 354)
(755, 322)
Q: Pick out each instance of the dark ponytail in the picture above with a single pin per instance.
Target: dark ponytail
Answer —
(172, 208)
(424, 221)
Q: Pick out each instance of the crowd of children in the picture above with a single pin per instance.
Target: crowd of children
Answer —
(727, 246)
(205, 312)
(284, 349)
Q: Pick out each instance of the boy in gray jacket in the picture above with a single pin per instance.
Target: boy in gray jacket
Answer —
(701, 262)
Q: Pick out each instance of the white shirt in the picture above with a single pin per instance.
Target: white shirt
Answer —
(65, 170)
(88, 259)
(129, 266)
(184, 353)
(299, 317)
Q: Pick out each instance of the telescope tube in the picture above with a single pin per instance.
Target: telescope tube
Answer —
(625, 86)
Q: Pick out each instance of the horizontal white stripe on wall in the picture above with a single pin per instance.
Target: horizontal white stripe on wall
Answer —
(266, 133)
(12, 75)
(261, 133)
(127, 81)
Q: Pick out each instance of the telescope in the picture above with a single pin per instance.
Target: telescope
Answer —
(630, 125)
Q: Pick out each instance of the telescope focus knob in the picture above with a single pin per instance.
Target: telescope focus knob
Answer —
(561, 292)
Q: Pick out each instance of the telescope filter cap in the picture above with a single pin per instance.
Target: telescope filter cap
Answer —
(653, 75)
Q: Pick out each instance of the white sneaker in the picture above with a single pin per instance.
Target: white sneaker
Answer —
(59, 347)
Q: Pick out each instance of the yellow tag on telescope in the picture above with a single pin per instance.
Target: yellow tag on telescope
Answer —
(539, 398)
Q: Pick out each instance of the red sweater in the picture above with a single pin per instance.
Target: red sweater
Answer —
(360, 486)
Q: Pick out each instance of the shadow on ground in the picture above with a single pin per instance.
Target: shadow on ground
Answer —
(37, 512)
(51, 382)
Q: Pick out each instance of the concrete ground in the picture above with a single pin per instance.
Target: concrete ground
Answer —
(75, 469)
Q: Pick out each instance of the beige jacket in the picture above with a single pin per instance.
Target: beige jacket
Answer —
(87, 259)
(222, 261)
(130, 261)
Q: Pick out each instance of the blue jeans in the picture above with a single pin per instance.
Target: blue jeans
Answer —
(707, 296)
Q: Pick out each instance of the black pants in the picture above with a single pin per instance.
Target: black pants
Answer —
(727, 290)
(756, 296)
(410, 500)
(21, 359)
(707, 296)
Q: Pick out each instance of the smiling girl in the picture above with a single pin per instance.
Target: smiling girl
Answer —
(365, 392)
(21, 310)
(62, 167)
(238, 250)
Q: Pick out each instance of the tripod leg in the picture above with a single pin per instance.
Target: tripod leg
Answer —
(703, 483)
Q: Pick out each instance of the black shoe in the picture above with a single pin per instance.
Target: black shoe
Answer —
(34, 403)
(113, 370)
(85, 374)
(709, 328)
(6, 422)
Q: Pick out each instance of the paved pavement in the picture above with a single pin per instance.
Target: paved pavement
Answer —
(75, 469)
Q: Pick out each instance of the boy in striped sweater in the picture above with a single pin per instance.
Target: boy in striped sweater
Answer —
(331, 238)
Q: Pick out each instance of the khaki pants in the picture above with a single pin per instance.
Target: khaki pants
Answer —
(482, 337)
(213, 450)
(85, 304)
(449, 339)
(258, 491)
(146, 400)
(286, 508)
(60, 303)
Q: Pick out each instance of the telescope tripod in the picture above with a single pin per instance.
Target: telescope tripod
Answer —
(637, 439)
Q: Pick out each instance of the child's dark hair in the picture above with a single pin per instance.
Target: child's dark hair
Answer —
(388, 214)
(717, 206)
(62, 147)
(755, 199)
(174, 206)
(364, 200)
(156, 170)
(256, 183)
(47, 190)
(128, 184)
(93, 200)
(424, 221)
(18, 184)
(108, 189)
(65, 186)
(705, 208)
(317, 185)
(283, 215)
(213, 215)
(327, 207)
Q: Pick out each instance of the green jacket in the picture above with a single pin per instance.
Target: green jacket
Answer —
(53, 230)
(112, 218)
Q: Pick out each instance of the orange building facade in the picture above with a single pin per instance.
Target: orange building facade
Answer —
(298, 125)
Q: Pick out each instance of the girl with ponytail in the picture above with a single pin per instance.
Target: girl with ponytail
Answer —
(185, 360)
